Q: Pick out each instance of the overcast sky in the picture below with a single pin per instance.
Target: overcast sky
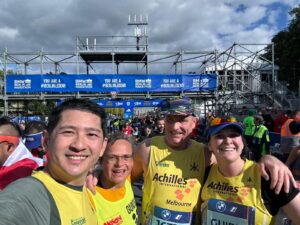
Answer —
(29, 25)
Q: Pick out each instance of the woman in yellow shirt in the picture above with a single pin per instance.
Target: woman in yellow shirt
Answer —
(234, 191)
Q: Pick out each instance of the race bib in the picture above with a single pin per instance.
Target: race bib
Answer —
(163, 216)
(217, 212)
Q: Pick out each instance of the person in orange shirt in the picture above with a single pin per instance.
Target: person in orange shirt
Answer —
(290, 136)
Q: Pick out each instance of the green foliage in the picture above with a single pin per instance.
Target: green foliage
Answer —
(7, 72)
(287, 51)
(41, 108)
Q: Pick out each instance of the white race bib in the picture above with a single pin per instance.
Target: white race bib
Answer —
(217, 212)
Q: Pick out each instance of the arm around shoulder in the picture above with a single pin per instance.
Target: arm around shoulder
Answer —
(141, 160)
(293, 156)
(292, 209)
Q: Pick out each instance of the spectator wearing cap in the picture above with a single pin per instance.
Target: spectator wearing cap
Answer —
(15, 159)
(33, 140)
(261, 138)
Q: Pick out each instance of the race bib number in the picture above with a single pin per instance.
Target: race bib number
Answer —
(222, 212)
(163, 216)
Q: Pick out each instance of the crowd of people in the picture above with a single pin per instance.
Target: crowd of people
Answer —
(79, 168)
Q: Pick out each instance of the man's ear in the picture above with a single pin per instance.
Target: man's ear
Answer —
(45, 139)
(194, 122)
(10, 148)
(104, 144)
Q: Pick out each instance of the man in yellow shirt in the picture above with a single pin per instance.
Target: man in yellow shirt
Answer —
(75, 139)
(114, 199)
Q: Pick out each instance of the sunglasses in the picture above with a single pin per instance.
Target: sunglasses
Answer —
(219, 120)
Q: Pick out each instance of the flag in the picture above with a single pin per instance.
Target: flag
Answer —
(19, 164)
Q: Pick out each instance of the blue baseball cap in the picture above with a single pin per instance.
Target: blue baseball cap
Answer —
(218, 124)
(33, 141)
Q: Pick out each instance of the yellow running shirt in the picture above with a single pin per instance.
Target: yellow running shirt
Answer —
(73, 205)
(244, 189)
(115, 207)
(172, 184)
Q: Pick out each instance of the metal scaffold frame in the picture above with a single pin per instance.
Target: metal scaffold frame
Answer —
(244, 75)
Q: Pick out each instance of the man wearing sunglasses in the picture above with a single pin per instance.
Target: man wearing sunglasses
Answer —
(173, 168)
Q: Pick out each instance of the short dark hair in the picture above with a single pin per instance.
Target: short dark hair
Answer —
(34, 127)
(76, 104)
(6, 121)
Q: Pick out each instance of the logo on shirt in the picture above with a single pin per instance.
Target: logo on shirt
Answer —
(223, 187)
(79, 221)
(170, 179)
(194, 167)
(161, 164)
(115, 221)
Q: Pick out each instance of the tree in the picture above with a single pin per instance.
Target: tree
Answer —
(287, 51)
(41, 108)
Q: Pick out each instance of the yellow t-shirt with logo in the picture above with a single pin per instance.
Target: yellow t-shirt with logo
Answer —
(74, 206)
(116, 206)
(172, 184)
(244, 189)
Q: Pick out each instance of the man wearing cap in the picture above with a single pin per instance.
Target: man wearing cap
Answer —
(171, 165)
(15, 159)
(173, 168)
(33, 140)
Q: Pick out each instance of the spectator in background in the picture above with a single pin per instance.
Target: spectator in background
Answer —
(146, 133)
(22, 126)
(159, 126)
(279, 120)
(268, 120)
(15, 159)
(261, 138)
(136, 133)
(208, 118)
(290, 138)
(33, 140)
(249, 126)
(127, 129)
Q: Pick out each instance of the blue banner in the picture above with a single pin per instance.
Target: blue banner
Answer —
(111, 83)
(129, 103)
